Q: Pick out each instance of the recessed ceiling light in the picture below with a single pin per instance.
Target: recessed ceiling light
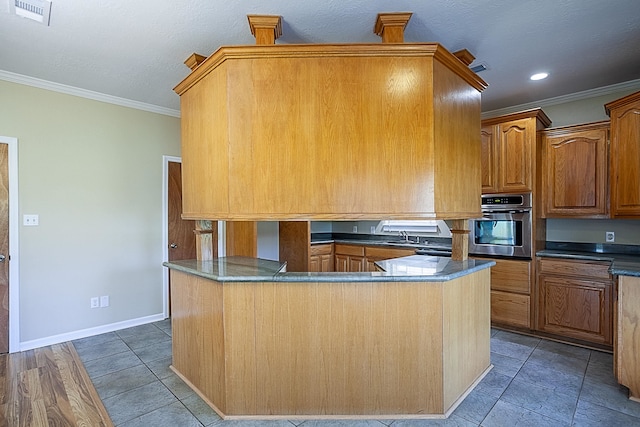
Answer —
(539, 76)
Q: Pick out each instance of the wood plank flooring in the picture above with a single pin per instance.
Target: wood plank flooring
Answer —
(48, 386)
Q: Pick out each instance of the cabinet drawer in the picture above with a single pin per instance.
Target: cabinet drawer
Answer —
(578, 268)
(321, 249)
(350, 250)
(387, 253)
(511, 309)
(511, 276)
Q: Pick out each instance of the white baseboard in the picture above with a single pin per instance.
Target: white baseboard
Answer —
(89, 332)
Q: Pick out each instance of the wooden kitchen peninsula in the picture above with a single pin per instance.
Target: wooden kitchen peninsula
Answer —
(255, 341)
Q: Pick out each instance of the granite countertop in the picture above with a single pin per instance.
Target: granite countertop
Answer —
(383, 240)
(414, 268)
(624, 259)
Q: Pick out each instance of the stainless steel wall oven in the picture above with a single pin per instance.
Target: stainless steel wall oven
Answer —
(505, 227)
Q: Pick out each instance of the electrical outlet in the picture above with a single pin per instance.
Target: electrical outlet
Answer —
(30, 220)
(610, 237)
(104, 301)
(355, 228)
(95, 302)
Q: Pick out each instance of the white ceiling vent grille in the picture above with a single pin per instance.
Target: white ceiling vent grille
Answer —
(37, 10)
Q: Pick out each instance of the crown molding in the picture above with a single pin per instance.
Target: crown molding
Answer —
(577, 96)
(83, 93)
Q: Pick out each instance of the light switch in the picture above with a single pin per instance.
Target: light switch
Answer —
(30, 220)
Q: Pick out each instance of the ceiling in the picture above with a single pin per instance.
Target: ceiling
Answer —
(135, 49)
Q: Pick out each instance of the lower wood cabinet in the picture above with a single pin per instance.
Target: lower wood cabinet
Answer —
(321, 258)
(511, 293)
(354, 258)
(627, 342)
(575, 299)
(350, 258)
(376, 253)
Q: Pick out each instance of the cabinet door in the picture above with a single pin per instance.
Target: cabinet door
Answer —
(575, 173)
(342, 263)
(326, 263)
(489, 159)
(516, 143)
(357, 264)
(314, 263)
(625, 160)
(575, 308)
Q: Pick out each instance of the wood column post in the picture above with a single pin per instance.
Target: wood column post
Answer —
(460, 240)
(266, 28)
(242, 238)
(390, 26)
(294, 238)
(206, 240)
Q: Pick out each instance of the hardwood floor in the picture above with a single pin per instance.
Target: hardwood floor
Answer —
(48, 386)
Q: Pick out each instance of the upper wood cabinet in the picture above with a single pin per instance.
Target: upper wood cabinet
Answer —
(574, 171)
(509, 151)
(360, 131)
(625, 156)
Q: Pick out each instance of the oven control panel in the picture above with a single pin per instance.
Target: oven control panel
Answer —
(492, 201)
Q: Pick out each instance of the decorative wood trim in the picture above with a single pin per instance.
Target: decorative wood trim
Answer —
(265, 28)
(534, 112)
(465, 56)
(332, 50)
(206, 244)
(621, 102)
(460, 240)
(194, 60)
(390, 26)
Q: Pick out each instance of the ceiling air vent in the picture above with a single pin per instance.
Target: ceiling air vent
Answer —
(37, 10)
(478, 68)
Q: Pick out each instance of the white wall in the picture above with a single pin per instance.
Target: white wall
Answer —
(92, 171)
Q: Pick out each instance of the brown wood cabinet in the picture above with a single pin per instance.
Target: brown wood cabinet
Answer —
(321, 258)
(625, 156)
(353, 258)
(511, 293)
(376, 253)
(350, 258)
(575, 299)
(575, 171)
(509, 151)
(306, 142)
(627, 341)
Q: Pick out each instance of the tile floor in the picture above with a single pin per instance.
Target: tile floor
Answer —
(534, 383)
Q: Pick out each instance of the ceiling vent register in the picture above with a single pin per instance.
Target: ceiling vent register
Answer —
(36, 10)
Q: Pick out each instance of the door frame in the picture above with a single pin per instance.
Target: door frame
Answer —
(165, 230)
(14, 250)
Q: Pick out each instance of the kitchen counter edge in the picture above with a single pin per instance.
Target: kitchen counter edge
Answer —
(621, 264)
(242, 269)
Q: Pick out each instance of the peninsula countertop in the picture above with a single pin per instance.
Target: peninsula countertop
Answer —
(624, 259)
(414, 268)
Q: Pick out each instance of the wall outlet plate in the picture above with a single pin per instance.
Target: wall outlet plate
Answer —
(609, 237)
(95, 302)
(30, 220)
